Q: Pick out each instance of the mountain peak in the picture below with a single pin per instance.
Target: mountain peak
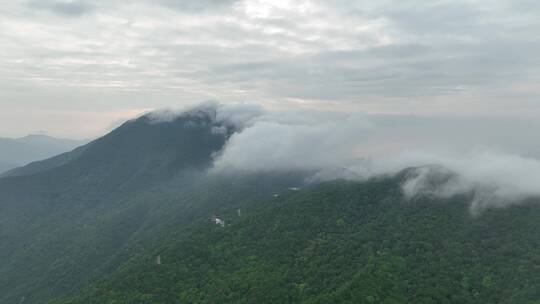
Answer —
(151, 148)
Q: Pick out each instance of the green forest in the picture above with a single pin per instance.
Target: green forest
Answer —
(340, 242)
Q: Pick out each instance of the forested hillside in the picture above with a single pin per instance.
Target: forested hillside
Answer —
(340, 243)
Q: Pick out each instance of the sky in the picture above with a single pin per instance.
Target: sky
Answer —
(76, 69)
(369, 86)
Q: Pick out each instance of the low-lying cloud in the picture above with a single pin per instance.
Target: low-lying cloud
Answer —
(359, 146)
(494, 179)
(272, 145)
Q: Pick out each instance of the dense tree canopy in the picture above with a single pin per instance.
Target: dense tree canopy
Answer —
(340, 243)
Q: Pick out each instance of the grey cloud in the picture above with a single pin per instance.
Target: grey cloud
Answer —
(395, 71)
(442, 18)
(74, 8)
(237, 115)
(446, 57)
(196, 5)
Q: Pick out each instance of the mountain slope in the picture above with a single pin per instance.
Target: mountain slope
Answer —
(341, 243)
(69, 220)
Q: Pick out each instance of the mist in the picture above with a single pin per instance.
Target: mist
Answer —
(475, 154)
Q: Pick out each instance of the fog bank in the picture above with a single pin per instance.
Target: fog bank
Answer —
(494, 159)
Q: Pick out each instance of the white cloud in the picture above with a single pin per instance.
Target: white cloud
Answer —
(495, 179)
(338, 145)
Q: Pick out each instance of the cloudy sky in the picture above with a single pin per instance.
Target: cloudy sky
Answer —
(77, 68)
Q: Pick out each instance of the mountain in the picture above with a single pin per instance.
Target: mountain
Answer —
(44, 214)
(127, 219)
(15, 152)
(76, 216)
(5, 166)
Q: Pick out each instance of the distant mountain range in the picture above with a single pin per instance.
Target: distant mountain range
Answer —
(6, 166)
(15, 152)
(127, 218)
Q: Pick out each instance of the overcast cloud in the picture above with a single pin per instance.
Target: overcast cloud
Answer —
(97, 62)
